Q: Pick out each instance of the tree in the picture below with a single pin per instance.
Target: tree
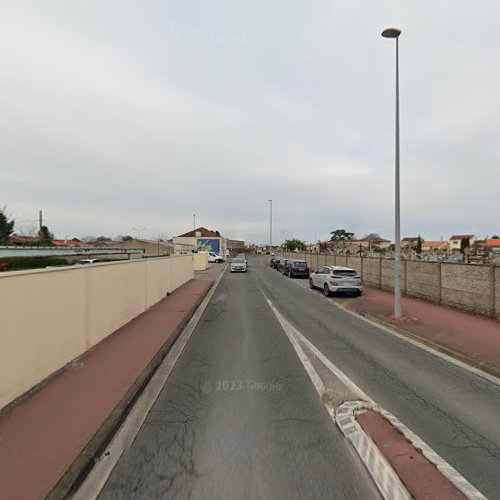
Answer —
(419, 245)
(127, 238)
(102, 239)
(464, 243)
(292, 245)
(76, 239)
(6, 227)
(341, 235)
(372, 236)
(495, 237)
(45, 236)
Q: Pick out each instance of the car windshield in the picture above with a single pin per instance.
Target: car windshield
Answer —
(238, 261)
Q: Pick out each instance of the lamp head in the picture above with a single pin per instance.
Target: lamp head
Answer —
(391, 33)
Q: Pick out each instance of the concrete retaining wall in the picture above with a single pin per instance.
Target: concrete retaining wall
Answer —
(49, 317)
(471, 288)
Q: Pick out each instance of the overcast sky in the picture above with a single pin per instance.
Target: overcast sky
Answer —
(117, 114)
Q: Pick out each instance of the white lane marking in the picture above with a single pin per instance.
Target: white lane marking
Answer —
(291, 331)
(445, 357)
(346, 420)
(123, 439)
(379, 468)
(383, 474)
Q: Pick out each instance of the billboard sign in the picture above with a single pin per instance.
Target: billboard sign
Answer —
(209, 245)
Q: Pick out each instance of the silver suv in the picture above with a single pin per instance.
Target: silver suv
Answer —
(333, 279)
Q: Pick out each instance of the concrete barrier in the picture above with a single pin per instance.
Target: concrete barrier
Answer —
(49, 317)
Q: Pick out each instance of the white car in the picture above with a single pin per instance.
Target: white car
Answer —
(83, 262)
(239, 264)
(213, 257)
(333, 279)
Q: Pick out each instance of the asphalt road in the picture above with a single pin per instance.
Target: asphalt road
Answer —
(456, 412)
(239, 416)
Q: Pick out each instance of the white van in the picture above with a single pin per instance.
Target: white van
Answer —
(213, 257)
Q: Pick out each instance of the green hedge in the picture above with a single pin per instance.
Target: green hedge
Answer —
(18, 263)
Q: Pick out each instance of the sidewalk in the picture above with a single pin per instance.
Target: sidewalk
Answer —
(472, 339)
(58, 429)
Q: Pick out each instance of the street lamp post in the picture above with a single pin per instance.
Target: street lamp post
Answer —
(394, 33)
(139, 231)
(270, 225)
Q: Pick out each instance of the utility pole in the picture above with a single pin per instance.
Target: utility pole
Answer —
(270, 225)
(194, 221)
(40, 220)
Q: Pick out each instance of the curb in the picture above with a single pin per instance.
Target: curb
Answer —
(480, 365)
(385, 477)
(346, 420)
(83, 463)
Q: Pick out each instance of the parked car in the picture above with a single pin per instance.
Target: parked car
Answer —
(239, 264)
(332, 279)
(88, 261)
(297, 268)
(213, 257)
(278, 263)
(273, 261)
(283, 267)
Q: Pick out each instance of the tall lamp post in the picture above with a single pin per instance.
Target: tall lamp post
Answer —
(139, 231)
(270, 225)
(394, 33)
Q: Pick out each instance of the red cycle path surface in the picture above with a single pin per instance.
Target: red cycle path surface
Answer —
(42, 435)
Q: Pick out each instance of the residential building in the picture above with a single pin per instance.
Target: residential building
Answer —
(488, 245)
(410, 242)
(203, 240)
(374, 243)
(235, 247)
(456, 241)
(435, 246)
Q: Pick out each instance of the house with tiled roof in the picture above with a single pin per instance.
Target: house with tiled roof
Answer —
(202, 239)
(456, 240)
(488, 244)
(433, 246)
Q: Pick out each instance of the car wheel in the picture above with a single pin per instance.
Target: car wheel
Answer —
(326, 290)
(311, 285)
(359, 293)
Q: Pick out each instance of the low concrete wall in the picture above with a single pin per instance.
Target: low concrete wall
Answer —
(466, 287)
(49, 317)
(200, 261)
(496, 293)
(471, 288)
(423, 280)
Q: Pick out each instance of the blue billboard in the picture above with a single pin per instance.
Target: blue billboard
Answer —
(209, 245)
